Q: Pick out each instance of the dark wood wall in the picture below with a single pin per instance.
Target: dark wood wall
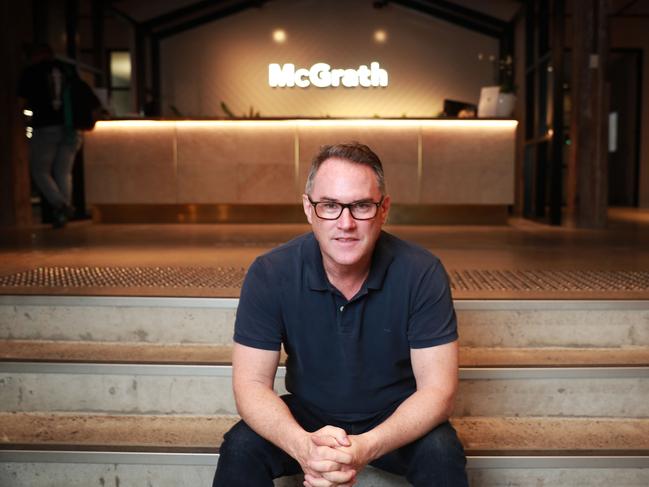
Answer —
(15, 33)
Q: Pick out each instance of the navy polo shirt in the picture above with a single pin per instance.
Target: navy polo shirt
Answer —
(349, 359)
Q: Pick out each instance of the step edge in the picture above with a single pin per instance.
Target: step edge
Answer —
(232, 303)
(211, 459)
(465, 373)
(117, 301)
(190, 353)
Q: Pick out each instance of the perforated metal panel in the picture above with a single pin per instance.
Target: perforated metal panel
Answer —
(232, 277)
(107, 277)
(548, 280)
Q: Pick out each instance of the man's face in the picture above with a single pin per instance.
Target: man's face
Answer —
(346, 241)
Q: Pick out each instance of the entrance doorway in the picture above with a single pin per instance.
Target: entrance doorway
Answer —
(625, 77)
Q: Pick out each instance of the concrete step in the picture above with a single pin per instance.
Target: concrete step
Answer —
(138, 320)
(481, 436)
(156, 450)
(183, 389)
(111, 469)
(483, 324)
(206, 354)
(547, 389)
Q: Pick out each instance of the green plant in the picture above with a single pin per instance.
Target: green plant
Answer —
(508, 87)
(227, 111)
(175, 111)
(230, 114)
(506, 75)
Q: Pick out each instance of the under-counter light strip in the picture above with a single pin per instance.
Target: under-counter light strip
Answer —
(473, 123)
(468, 123)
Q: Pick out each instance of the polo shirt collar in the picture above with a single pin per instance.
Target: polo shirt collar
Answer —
(315, 273)
(317, 278)
(381, 260)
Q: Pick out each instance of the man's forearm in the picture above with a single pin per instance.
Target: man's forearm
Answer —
(269, 416)
(415, 417)
(265, 412)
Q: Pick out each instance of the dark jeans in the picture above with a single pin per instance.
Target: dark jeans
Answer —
(248, 460)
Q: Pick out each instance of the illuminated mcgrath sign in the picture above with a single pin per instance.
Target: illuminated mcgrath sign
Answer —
(321, 75)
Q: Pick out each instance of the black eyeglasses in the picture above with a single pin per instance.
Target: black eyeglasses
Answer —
(331, 210)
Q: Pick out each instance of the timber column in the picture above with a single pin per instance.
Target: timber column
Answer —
(15, 30)
(587, 188)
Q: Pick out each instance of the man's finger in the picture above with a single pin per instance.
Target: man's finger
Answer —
(311, 481)
(338, 476)
(325, 440)
(338, 433)
(327, 453)
(324, 466)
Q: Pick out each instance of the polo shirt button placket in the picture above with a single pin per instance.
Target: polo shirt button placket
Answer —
(343, 317)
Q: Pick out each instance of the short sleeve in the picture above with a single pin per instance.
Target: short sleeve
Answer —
(258, 323)
(432, 318)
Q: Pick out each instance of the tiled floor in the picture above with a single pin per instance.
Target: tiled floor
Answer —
(524, 260)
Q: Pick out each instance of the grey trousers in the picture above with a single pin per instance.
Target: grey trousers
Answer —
(52, 150)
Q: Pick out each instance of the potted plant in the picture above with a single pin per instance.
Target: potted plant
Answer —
(507, 95)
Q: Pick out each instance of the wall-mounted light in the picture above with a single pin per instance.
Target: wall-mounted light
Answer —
(380, 36)
(120, 69)
(279, 36)
(28, 113)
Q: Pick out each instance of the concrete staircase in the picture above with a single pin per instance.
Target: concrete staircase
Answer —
(136, 391)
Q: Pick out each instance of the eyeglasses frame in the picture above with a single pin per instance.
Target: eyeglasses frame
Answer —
(348, 206)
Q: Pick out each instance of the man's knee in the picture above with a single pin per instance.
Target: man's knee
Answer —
(442, 442)
(248, 459)
(438, 459)
(241, 440)
(240, 459)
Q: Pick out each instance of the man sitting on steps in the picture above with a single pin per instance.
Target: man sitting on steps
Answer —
(369, 329)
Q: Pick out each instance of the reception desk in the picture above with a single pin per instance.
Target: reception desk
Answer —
(437, 171)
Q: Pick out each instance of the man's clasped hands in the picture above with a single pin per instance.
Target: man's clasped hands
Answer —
(331, 458)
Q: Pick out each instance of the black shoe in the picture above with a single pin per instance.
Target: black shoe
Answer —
(69, 211)
(59, 217)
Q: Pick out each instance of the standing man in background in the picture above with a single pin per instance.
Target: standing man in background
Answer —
(48, 87)
(369, 329)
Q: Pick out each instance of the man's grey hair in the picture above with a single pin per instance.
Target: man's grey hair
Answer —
(353, 152)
